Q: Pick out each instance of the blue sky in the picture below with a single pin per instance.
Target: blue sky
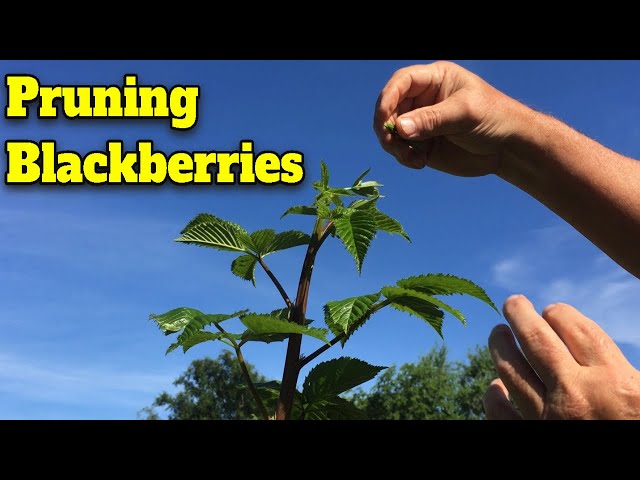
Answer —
(82, 267)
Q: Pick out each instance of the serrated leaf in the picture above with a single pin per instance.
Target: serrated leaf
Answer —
(415, 305)
(361, 176)
(356, 232)
(208, 218)
(261, 240)
(391, 292)
(176, 319)
(337, 201)
(336, 408)
(193, 329)
(324, 174)
(323, 210)
(245, 267)
(251, 336)
(195, 339)
(285, 240)
(387, 224)
(267, 324)
(345, 192)
(329, 379)
(364, 204)
(300, 210)
(366, 191)
(370, 183)
(208, 231)
(342, 314)
(442, 284)
(282, 314)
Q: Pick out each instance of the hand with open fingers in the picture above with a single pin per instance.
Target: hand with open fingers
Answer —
(446, 118)
(568, 368)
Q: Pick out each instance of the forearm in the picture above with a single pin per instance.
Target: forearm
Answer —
(593, 188)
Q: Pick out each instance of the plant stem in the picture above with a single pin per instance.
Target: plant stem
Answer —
(292, 361)
(275, 281)
(321, 350)
(252, 388)
(245, 372)
(337, 338)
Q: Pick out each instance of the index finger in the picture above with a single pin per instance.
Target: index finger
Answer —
(409, 82)
(544, 350)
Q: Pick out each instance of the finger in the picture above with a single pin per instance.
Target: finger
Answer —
(423, 80)
(587, 342)
(544, 350)
(522, 382)
(449, 117)
(496, 403)
(390, 142)
(407, 155)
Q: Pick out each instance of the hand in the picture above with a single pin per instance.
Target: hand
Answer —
(571, 369)
(455, 121)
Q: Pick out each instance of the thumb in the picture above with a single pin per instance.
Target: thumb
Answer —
(445, 118)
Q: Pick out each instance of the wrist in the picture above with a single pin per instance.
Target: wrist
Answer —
(527, 148)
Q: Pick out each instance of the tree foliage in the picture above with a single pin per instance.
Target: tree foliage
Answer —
(208, 390)
(431, 389)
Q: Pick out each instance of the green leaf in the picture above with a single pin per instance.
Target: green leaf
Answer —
(411, 302)
(261, 239)
(370, 183)
(364, 204)
(442, 284)
(282, 314)
(194, 327)
(356, 232)
(335, 408)
(361, 176)
(208, 231)
(191, 321)
(387, 224)
(285, 240)
(251, 336)
(176, 319)
(263, 243)
(329, 379)
(394, 292)
(345, 192)
(342, 314)
(194, 339)
(245, 267)
(267, 324)
(208, 218)
(324, 173)
(300, 210)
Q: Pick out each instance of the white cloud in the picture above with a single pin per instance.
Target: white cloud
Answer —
(508, 271)
(70, 385)
(557, 264)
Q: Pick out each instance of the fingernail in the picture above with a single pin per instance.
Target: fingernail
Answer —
(501, 329)
(408, 126)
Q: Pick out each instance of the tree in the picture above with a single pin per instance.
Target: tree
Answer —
(351, 215)
(474, 378)
(431, 389)
(211, 390)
